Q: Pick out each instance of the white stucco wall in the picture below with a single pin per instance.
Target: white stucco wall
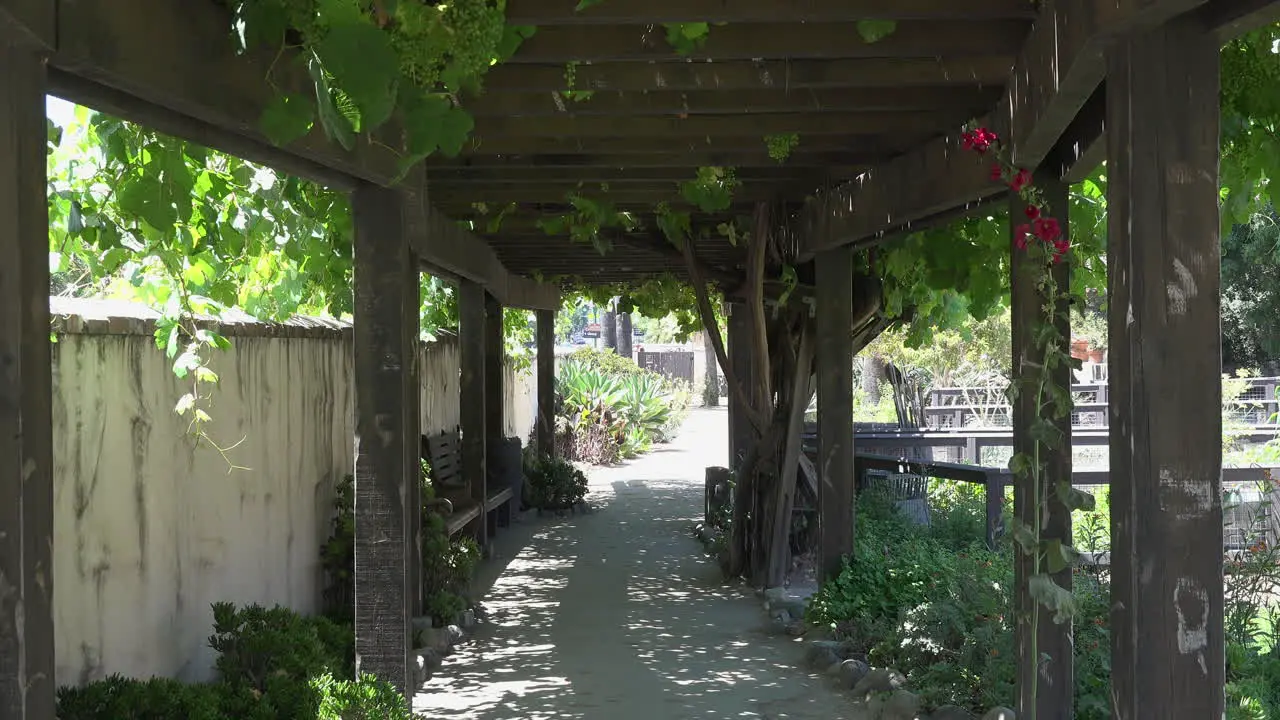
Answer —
(151, 529)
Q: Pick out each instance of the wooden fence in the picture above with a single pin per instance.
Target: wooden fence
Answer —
(673, 364)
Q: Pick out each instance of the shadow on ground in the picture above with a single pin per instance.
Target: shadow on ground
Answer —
(616, 614)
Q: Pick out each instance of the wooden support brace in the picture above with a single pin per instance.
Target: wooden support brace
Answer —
(835, 409)
(546, 382)
(384, 309)
(1046, 682)
(1167, 638)
(472, 331)
(26, 434)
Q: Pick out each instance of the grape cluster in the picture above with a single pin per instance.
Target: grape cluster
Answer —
(780, 146)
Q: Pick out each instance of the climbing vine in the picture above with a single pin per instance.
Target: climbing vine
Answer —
(781, 145)
(1043, 244)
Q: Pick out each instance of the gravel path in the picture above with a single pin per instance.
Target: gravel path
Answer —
(617, 614)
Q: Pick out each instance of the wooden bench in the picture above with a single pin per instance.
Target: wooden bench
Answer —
(444, 452)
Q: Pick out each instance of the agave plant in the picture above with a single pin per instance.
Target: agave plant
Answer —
(588, 393)
(645, 404)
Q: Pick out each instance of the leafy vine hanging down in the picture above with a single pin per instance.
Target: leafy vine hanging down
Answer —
(1042, 240)
(368, 59)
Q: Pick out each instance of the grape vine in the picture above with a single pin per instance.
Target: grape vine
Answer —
(781, 145)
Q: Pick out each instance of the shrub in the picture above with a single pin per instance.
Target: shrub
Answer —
(273, 664)
(554, 483)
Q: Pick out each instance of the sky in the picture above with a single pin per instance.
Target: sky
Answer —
(59, 111)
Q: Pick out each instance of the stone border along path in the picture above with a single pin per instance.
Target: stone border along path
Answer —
(618, 615)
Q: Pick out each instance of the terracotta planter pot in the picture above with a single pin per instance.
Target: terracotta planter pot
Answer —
(1095, 355)
(1079, 349)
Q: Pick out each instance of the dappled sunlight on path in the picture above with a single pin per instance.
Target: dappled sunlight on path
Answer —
(617, 614)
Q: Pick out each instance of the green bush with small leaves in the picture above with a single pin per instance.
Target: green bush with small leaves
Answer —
(554, 483)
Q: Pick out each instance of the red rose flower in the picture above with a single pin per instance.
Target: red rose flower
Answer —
(1032, 212)
(1020, 181)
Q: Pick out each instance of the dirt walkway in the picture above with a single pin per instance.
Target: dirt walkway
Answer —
(618, 615)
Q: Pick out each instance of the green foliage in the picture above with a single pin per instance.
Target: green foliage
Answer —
(273, 664)
(369, 59)
(338, 554)
(873, 31)
(712, 190)
(447, 565)
(588, 219)
(1251, 291)
(781, 145)
(685, 38)
(934, 603)
(554, 483)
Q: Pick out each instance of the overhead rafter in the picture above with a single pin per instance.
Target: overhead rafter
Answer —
(565, 12)
(1232, 18)
(723, 102)
(750, 41)
(700, 126)
(1056, 74)
(872, 72)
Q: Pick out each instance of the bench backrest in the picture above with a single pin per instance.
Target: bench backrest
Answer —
(444, 452)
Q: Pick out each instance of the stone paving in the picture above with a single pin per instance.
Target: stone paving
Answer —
(618, 615)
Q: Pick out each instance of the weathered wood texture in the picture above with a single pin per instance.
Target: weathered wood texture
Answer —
(1166, 440)
(412, 432)
(546, 370)
(30, 22)
(835, 409)
(383, 309)
(609, 330)
(739, 351)
(648, 12)
(26, 429)
(494, 350)
(472, 333)
(1047, 684)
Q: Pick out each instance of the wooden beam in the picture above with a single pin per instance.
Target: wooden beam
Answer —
(472, 332)
(964, 98)
(1059, 70)
(546, 381)
(1083, 147)
(1232, 18)
(1045, 686)
(454, 196)
(613, 176)
(687, 161)
(990, 68)
(699, 126)
(27, 677)
(835, 410)
(382, 312)
(31, 23)
(648, 12)
(1167, 638)
(751, 41)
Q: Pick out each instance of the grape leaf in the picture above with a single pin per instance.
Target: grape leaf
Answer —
(876, 30)
(365, 66)
(287, 118)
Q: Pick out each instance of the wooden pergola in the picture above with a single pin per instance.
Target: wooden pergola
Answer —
(1067, 83)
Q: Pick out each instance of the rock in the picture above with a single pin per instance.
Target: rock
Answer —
(951, 712)
(436, 638)
(879, 680)
(825, 653)
(795, 629)
(468, 619)
(852, 672)
(833, 670)
(781, 622)
(426, 660)
(1000, 713)
(901, 705)
(455, 634)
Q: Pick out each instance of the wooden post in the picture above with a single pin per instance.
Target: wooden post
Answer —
(1167, 643)
(413, 431)
(995, 507)
(739, 352)
(494, 398)
(1053, 692)
(471, 335)
(382, 362)
(835, 409)
(547, 382)
(26, 426)
(609, 329)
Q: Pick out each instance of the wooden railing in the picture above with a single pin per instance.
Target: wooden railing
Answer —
(887, 448)
(986, 407)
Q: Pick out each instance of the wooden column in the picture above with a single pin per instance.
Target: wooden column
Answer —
(1053, 691)
(835, 408)
(26, 435)
(494, 365)
(413, 431)
(739, 351)
(472, 331)
(383, 311)
(609, 329)
(546, 382)
(1167, 646)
